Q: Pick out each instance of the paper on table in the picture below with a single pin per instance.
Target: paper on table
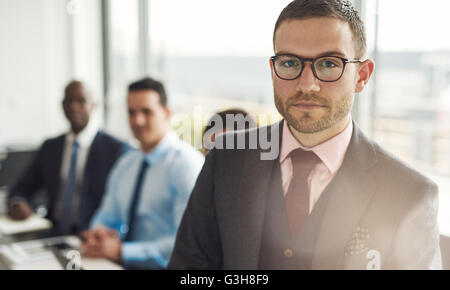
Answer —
(36, 254)
(33, 223)
(50, 263)
(74, 242)
(98, 264)
(31, 258)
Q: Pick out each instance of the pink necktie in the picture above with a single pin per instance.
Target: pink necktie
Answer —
(297, 196)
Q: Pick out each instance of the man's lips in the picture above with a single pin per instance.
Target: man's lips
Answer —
(74, 116)
(305, 105)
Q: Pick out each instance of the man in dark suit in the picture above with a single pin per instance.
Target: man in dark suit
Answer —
(72, 168)
(328, 198)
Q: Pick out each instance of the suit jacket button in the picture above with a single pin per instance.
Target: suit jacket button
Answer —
(288, 253)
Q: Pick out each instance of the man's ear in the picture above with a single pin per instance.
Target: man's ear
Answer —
(168, 112)
(272, 72)
(365, 71)
(92, 106)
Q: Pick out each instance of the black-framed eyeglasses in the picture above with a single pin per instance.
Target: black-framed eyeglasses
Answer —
(324, 68)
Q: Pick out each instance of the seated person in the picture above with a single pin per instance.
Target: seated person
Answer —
(71, 168)
(148, 189)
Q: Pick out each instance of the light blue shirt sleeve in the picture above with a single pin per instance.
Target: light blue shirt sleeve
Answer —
(108, 214)
(184, 178)
(147, 255)
(156, 253)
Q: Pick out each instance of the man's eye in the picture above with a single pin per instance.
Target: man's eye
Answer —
(289, 63)
(328, 64)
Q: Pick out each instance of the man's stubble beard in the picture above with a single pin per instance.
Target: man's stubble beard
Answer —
(303, 123)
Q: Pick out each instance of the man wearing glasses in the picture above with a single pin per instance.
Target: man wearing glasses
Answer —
(332, 199)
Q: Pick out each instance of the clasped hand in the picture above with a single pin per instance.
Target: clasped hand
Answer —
(102, 242)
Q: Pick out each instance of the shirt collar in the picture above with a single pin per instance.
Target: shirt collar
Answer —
(161, 149)
(330, 152)
(85, 137)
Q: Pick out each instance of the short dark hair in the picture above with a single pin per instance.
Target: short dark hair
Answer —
(340, 9)
(152, 85)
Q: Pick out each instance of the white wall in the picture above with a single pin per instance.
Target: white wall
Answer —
(42, 47)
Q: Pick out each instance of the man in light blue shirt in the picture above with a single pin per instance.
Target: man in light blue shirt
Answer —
(147, 190)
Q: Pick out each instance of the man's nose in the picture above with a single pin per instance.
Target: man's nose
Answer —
(138, 119)
(307, 82)
(74, 106)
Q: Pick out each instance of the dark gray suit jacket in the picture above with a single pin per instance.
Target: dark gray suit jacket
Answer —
(45, 169)
(380, 213)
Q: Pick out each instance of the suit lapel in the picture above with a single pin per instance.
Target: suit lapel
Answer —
(91, 160)
(350, 193)
(55, 165)
(251, 203)
(88, 175)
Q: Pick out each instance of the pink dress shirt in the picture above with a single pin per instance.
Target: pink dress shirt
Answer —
(330, 152)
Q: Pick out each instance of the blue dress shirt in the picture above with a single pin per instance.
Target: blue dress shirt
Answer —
(168, 182)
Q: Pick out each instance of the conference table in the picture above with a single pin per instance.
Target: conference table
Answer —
(42, 250)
